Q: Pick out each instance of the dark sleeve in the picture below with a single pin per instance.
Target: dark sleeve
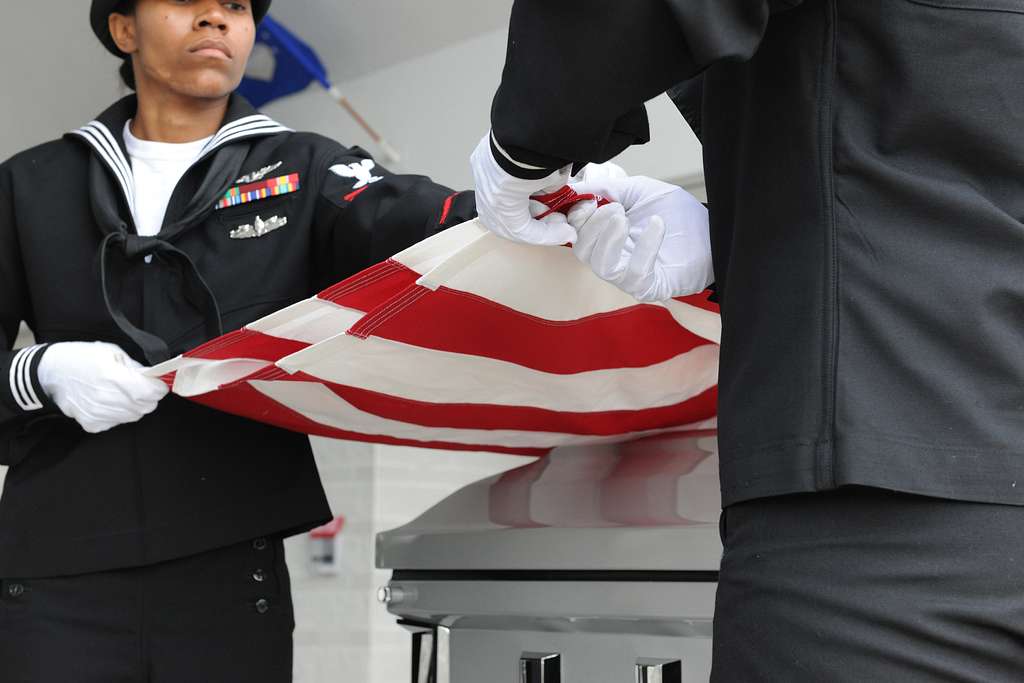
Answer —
(22, 399)
(688, 97)
(578, 72)
(366, 214)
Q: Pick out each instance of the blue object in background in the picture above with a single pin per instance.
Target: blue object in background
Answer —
(295, 66)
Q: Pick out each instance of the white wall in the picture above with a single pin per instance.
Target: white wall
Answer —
(55, 76)
(342, 633)
(436, 108)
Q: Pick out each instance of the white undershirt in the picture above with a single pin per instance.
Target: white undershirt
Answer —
(157, 167)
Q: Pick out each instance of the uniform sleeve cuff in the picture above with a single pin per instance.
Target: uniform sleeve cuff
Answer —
(517, 168)
(24, 379)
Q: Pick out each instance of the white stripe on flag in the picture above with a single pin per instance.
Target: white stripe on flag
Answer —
(311, 321)
(196, 376)
(702, 323)
(397, 369)
(544, 270)
(321, 405)
(428, 254)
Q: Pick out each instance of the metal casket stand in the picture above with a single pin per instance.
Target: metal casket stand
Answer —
(592, 565)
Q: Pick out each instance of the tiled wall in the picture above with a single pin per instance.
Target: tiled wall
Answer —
(332, 639)
(342, 633)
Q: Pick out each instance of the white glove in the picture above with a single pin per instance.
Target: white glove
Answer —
(653, 242)
(589, 173)
(599, 172)
(97, 384)
(503, 201)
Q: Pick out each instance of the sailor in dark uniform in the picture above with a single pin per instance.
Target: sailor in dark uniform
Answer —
(141, 535)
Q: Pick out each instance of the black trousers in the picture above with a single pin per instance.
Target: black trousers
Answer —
(220, 617)
(863, 585)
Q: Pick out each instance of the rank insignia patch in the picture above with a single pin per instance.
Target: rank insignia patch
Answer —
(252, 192)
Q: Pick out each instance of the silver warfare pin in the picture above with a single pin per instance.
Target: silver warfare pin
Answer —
(259, 228)
(258, 175)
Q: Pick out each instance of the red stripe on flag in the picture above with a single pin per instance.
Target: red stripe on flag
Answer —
(246, 401)
(562, 200)
(638, 336)
(247, 344)
(700, 301)
(372, 321)
(522, 418)
(367, 289)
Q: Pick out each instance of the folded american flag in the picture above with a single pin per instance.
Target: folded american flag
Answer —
(466, 341)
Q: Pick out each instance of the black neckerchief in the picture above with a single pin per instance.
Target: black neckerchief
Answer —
(111, 190)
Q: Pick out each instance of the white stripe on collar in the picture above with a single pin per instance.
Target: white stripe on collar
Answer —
(265, 129)
(100, 138)
(257, 124)
(243, 122)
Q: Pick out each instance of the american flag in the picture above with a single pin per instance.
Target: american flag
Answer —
(467, 341)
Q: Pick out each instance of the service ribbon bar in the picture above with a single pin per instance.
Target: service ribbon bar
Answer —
(243, 194)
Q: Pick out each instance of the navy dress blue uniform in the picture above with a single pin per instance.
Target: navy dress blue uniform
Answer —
(122, 513)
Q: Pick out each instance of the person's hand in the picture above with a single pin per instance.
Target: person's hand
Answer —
(593, 173)
(503, 201)
(653, 242)
(97, 384)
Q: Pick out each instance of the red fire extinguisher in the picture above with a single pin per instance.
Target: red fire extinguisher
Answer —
(325, 546)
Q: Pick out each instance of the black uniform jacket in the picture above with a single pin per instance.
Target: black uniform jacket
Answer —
(185, 478)
(865, 168)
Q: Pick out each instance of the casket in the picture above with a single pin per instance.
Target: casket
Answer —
(597, 564)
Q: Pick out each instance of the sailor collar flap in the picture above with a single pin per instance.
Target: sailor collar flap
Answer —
(104, 136)
(229, 148)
